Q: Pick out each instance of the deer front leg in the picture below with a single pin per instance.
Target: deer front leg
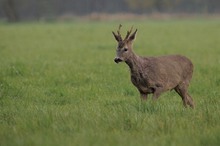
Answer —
(157, 92)
(143, 96)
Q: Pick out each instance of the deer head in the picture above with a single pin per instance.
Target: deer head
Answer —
(124, 48)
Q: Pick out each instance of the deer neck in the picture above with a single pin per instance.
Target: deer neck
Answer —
(133, 62)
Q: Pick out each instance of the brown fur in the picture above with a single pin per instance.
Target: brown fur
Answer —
(155, 75)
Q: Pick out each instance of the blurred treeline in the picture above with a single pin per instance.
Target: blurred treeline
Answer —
(18, 10)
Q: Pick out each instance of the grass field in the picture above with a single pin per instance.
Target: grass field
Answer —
(59, 85)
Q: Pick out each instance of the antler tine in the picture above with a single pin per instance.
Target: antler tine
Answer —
(119, 28)
(128, 33)
(118, 31)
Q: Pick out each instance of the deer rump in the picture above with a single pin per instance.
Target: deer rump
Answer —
(164, 72)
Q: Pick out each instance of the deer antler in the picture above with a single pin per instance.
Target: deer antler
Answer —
(128, 33)
(119, 35)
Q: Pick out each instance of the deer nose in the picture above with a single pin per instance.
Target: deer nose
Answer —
(117, 60)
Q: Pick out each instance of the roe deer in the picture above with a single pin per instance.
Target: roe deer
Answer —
(155, 75)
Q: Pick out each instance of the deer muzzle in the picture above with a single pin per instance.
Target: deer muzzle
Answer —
(117, 60)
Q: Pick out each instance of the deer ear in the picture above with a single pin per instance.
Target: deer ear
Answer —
(116, 37)
(133, 36)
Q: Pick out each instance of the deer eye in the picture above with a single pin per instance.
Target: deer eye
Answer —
(125, 49)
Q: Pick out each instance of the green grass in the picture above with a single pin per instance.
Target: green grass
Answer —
(60, 86)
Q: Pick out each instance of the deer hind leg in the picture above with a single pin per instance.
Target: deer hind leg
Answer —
(190, 101)
(182, 90)
(182, 94)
